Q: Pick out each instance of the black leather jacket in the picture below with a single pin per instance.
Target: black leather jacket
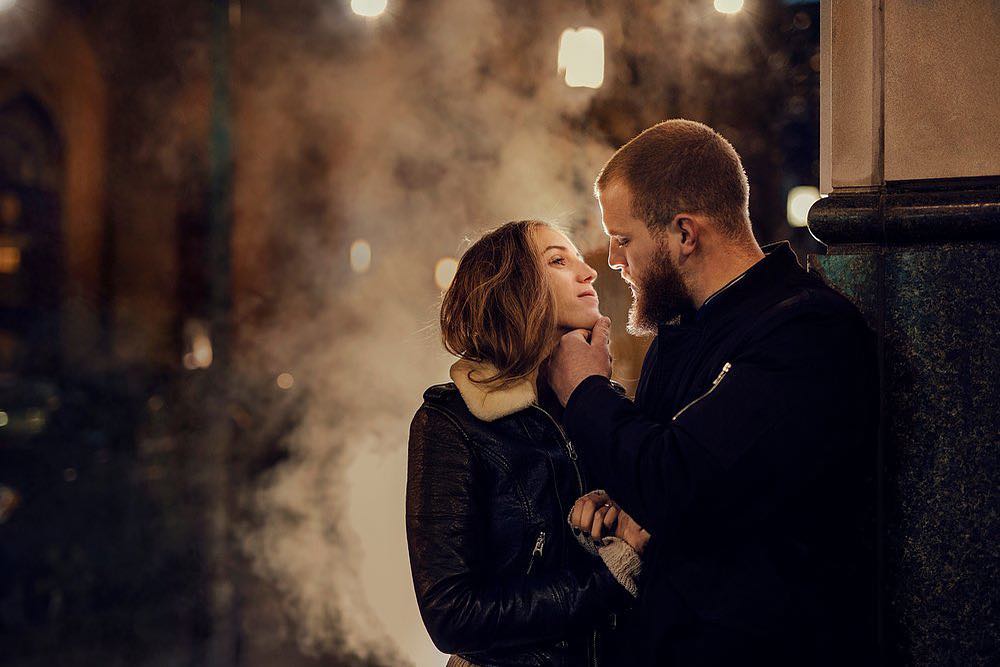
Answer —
(498, 575)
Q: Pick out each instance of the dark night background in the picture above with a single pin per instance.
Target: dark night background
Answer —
(205, 381)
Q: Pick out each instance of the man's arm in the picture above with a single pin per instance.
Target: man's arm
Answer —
(748, 439)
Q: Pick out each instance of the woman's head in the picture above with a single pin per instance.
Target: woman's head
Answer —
(516, 289)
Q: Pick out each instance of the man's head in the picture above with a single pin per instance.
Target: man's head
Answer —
(675, 204)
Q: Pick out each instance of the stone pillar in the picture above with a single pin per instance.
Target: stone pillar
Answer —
(910, 161)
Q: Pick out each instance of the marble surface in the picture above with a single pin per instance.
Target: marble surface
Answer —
(937, 308)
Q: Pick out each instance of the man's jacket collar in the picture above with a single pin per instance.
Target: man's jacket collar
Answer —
(778, 260)
(489, 402)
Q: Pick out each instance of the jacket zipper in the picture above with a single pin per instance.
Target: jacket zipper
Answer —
(570, 449)
(718, 379)
(571, 452)
(537, 551)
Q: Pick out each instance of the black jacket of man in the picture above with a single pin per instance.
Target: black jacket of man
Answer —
(748, 454)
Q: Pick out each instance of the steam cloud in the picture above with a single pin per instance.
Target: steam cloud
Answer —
(422, 132)
(413, 132)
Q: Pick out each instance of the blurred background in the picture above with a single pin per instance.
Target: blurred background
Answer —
(224, 231)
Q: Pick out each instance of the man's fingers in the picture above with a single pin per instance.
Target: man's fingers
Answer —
(601, 332)
(582, 334)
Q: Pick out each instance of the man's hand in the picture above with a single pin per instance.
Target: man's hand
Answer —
(579, 355)
(598, 516)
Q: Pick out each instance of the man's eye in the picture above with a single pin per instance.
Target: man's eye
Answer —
(622, 243)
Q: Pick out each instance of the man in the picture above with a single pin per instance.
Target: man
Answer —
(749, 446)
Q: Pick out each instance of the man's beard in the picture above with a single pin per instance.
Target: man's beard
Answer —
(659, 298)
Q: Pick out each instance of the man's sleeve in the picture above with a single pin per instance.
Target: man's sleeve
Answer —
(749, 437)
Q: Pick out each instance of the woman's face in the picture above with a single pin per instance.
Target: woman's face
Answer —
(572, 280)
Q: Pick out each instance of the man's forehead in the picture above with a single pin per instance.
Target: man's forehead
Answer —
(615, 208)
(615, 225)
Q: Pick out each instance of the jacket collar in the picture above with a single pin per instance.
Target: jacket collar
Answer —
(487, 402)
(777, 262)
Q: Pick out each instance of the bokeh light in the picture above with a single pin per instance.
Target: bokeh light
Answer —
(10, 259)
(444, 271)
(369, 8)
(199, 345)
(361, 256)
(728, 6)
(581, 57)
(285, 381)
(800, 200)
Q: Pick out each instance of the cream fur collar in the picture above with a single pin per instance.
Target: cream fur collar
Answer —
(491, 404)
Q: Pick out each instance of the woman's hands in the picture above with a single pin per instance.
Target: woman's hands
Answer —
(598, 516)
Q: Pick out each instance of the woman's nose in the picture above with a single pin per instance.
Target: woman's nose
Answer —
(588, 274)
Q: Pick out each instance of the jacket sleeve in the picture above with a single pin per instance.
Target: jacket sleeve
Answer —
(464, 607)
(788, 406)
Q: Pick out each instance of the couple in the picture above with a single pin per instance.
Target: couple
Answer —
(729, 507)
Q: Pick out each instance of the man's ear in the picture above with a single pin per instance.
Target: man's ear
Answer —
(688, 230)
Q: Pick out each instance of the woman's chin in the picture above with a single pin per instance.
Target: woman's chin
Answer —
(581, 321)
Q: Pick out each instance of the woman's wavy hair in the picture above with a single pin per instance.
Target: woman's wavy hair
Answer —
(499, 308)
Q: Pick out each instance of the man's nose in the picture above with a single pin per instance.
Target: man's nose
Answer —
(615, 261)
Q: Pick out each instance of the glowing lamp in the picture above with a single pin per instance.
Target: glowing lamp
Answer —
(581, 57)
(369, 8)
(800, 200)
(728, 6)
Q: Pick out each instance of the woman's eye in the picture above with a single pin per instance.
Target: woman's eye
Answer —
(558, 260)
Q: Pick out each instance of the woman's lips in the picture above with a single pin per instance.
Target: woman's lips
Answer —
(589, 295)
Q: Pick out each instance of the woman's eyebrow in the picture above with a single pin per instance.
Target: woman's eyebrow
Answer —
(556, 247)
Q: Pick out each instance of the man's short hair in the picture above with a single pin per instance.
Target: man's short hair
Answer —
(681, 166)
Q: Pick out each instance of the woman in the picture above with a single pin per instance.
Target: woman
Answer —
(499, 577)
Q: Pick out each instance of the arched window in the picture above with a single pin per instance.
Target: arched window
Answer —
(31, 254)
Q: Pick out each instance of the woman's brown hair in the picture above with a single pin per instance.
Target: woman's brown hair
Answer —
(499, 308)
